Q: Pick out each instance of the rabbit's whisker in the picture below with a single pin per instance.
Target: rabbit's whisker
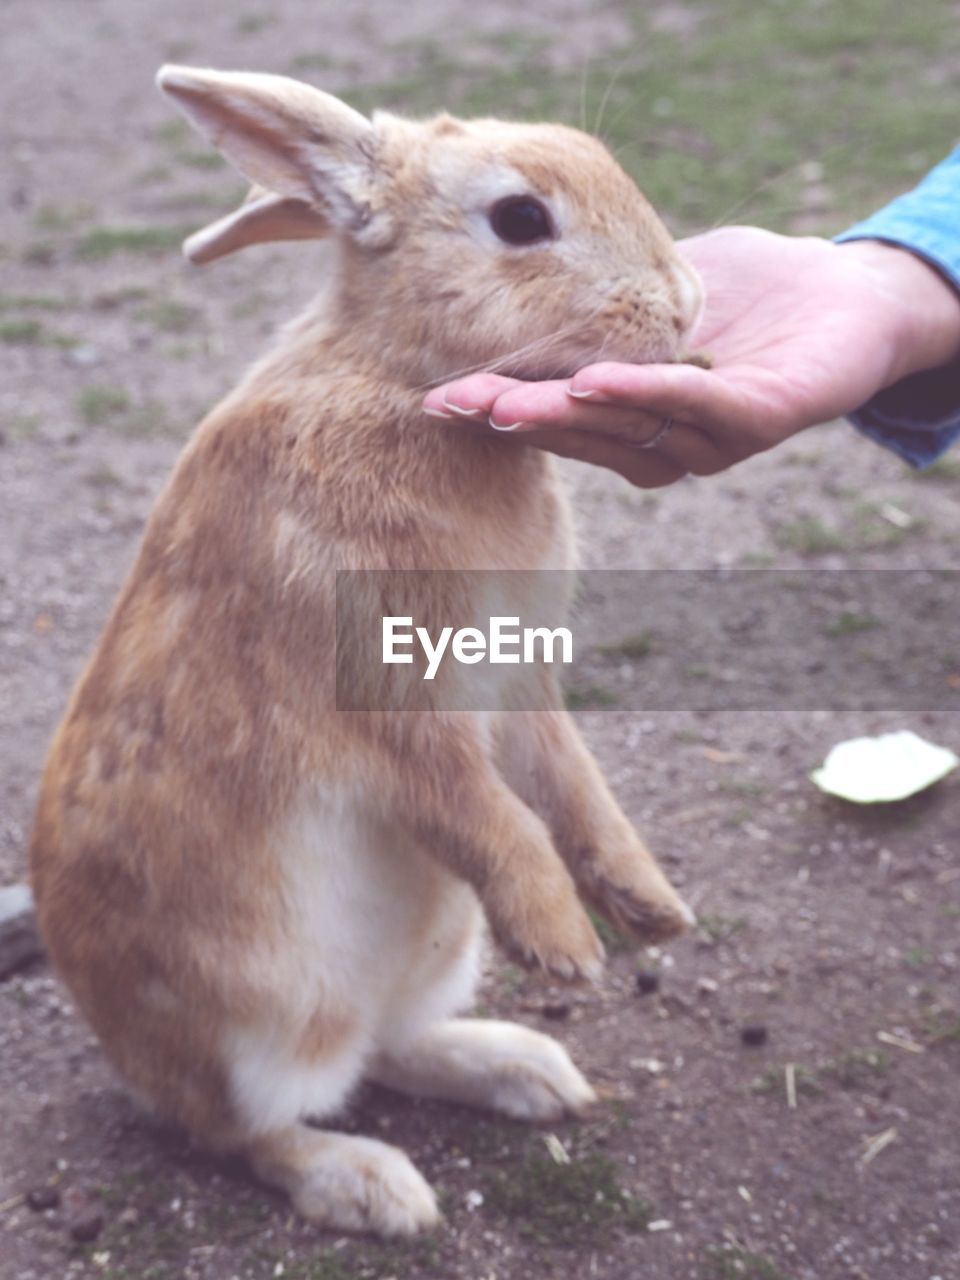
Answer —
(536, 347)
(583, 91)
(604, 101)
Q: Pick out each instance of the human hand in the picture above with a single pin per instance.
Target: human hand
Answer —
(800, 331)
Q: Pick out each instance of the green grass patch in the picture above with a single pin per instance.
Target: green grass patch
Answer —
(738, 817)
(944, 469)
(31, 333)
(21, 333)
(328, 1264)
(202, 159)
(420, 1256)
(591, 697)
(740, 786)
(720, 928)
(173, 133)
(850, 1069)
(23, 426)
(170, 316)
(97, 405)
(851, 623)
(154, 173)
(727, 1262)
(872, 531)
(698, 671)
(219, 201)
(311, 62)
(32, 302)
(51, 217)
(810, 536)
(942, 1026)
(109, 299)
(250, 24)
(858, 1068)
(565, 1204)
(103, 477)
(634, 648)
(105, 242)
(613, 940)
(177, 136)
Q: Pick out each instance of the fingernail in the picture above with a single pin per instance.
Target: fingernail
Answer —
(462, 411)
(438, 413)
(581, 395)
(505, 426)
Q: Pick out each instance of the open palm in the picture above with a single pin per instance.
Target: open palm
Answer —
(800, 331)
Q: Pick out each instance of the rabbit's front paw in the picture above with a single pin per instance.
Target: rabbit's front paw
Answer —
(368, 1186)
(487, 1063)
(553, 934)
(648, 914)
(532, 1078)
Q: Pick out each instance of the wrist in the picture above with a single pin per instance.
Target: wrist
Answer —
(924, 308)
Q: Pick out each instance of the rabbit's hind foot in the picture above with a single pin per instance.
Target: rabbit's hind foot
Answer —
(346, 1183)
(497, 1065)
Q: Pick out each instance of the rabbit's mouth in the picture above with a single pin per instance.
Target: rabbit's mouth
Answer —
(645, 332)
(563, 359)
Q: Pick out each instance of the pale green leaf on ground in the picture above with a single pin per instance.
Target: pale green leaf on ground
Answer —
(890, 767)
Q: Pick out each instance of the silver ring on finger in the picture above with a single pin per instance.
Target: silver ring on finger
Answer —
(658, 437)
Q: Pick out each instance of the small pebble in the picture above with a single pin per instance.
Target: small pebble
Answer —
(648, 981)
(83, 356)
(85, 1227)
(754, 1034)
(40, 1198)
(84, 1217)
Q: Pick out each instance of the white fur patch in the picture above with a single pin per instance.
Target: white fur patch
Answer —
(273, 1089)
(478, 185)
(376, 932)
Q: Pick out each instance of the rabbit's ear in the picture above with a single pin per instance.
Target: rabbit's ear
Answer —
(284, 135)
(261, 219)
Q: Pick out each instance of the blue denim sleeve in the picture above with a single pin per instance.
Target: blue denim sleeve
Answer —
(919, 418)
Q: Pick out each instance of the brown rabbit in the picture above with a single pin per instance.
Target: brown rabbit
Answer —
(258, 900)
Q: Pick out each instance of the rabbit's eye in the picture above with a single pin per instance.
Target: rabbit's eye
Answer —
(521, 220)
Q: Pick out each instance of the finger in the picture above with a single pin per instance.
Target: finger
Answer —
(528, 406)
(645, 469)
(471, 397)
(694, 451)
(683, 451)
(699, 397)
(527, 409)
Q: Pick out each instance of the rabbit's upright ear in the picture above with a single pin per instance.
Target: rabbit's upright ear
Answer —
(287, 137)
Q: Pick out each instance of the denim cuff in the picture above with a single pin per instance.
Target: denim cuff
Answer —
(919, 417)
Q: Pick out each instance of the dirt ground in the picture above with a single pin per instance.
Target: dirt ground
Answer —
(833, 929)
